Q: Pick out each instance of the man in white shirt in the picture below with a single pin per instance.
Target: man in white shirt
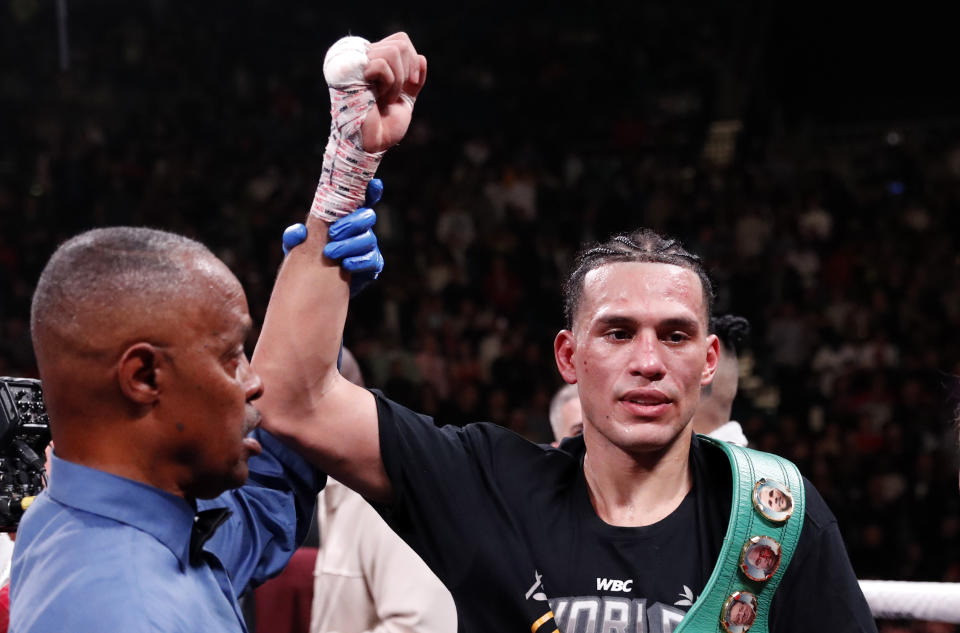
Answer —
(716, 399)
(366, 577)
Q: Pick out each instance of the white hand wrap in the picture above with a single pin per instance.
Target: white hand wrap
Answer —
(346, 167)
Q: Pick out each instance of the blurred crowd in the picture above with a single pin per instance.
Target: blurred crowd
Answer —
(838, 243)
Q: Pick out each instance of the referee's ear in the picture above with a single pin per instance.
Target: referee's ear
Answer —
(137, 372)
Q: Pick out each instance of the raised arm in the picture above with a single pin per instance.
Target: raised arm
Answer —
(306, 402)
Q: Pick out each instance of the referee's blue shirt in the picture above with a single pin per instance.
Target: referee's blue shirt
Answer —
(97, 552)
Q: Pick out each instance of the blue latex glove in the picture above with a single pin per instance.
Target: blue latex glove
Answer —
(352, 241)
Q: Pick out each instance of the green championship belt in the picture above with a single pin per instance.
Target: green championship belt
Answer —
(766, 517)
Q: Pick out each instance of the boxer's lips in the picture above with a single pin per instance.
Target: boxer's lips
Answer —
(646, 403)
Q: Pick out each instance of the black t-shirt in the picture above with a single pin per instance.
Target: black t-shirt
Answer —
(508, 527)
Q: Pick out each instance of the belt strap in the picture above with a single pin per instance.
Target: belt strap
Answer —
(757, 524)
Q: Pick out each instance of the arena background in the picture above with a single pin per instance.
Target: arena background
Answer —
(811, 155)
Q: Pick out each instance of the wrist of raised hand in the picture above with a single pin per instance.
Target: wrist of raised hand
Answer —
(347, 168)
(351, 240)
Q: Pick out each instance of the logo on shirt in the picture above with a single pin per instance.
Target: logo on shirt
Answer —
(537, 584)
(589, 614)
(686, 597)
(612, 584)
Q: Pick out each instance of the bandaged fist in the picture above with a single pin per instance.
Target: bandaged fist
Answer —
(352, 241)
(398, 73)
(372, 91)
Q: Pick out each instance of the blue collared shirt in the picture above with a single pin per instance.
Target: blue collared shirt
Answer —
(98, 553)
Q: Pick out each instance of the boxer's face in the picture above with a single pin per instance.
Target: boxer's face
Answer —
(774, 499)
(741, 613)
(639, 351)
(762, 557)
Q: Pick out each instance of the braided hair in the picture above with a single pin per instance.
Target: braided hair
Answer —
(643, 246)
(732, 330)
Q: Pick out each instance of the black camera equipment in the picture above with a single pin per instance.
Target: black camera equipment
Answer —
(24, 435)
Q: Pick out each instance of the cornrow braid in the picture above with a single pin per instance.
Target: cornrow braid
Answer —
(643, 246)
(732, 330)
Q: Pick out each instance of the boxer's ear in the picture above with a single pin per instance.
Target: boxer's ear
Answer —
(564, 346)
(711, 360)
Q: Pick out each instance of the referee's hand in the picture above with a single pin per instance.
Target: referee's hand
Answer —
(352, 241)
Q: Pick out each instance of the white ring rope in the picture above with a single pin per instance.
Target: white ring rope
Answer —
(905, 600)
